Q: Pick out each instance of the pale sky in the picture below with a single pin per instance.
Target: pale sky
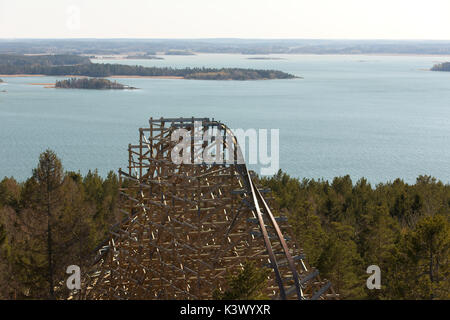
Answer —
(313, 19)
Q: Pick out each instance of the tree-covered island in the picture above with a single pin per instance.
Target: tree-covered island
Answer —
(68, 65)
(90, 83)
(144, 57)
(445, 66)
(179, 53)
(265, 58)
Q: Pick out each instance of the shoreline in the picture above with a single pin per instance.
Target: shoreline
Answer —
(75, 76)
(133, 77)
(121, 57)
(148, 77)
(21, 75)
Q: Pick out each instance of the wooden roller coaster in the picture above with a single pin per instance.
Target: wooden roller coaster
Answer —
(189, 225)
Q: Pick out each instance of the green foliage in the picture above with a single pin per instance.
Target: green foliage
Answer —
(237, 74)
(345, 227)
(2, 234)
(245, 285)
(9, 192)
(179, 53)
(420, 266)
(90, 83)
(308, 230)
(15, 60)
(53, 220)
(379, 235)
(147, 56)
(341, 263)
(15, 66)
(445, 66)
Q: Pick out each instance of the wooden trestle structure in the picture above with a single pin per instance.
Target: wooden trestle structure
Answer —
(188, 226)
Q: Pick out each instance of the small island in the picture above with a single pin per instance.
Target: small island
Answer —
(265, 58)
(90, 83)
(179, 53)
(144, 57)
(445, 66)
(239, 74)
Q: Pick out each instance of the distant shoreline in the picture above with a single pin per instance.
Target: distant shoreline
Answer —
(149, 77)
(21, 75)
(76, 76)
(112, 77)
(123, 57)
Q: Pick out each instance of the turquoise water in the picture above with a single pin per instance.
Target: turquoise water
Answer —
(379, 117)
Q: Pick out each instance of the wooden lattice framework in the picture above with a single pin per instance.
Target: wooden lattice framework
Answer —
(188, 226)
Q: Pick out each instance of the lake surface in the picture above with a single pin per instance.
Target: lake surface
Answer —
(379, 117)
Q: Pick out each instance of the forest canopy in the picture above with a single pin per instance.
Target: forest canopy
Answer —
(67, 65)
(90, 83)
(445, 66)
(56, 218)
(344, 227)
(15, 60)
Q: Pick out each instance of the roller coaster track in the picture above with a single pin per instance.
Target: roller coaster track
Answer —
(188, 226)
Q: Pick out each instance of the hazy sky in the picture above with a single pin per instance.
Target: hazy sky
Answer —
(344, 19)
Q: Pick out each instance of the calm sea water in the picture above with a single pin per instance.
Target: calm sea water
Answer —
(379, 117)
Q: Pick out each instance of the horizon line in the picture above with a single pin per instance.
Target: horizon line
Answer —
(224, 38)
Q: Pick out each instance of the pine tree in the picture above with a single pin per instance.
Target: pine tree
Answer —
(341, 263)
(245, 285)
(41, 247)
(377, 240)
(420, 267)
(9, 192)
(308, 231)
